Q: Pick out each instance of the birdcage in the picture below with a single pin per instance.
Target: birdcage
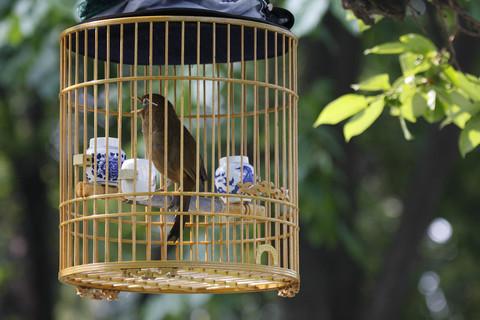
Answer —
(232, 84)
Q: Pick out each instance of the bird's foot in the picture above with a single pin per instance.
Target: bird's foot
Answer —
(174, 204)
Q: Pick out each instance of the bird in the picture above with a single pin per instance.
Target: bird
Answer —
(159, 103)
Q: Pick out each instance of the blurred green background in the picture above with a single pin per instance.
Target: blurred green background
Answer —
(390, 228)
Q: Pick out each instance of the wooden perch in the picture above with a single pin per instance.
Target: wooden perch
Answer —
(85, 189)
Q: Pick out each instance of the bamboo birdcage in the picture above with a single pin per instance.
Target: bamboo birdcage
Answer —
(233, 85)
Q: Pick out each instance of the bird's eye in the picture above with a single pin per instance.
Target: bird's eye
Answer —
(145, 101)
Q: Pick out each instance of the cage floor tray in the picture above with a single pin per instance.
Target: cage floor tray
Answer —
(179, 277)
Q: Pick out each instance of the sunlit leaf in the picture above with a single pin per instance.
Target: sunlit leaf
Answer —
(431, 99)
(413, 64)
(419, 105)
(457, 116)
(341, 109)
(376, 83)
(15, 35)
(406, 132)
(458, 108)
(414, 104)
(395, 112)
(356, 24)
(417, 43)
(362, 121)
(460, 80)
(470, 137)
(433, 116)
(406, 97)
(387, 48)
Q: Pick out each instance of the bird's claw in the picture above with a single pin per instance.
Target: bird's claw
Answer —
(172, 207)
(174, 204)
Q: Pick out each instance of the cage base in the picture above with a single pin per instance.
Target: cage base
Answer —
(180, 277)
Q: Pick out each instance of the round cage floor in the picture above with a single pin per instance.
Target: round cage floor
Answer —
(106, 280)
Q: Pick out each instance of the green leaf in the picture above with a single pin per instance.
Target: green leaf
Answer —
(360, 25)
(362, 121)
(458, 108)
(433, 116)
(417, 43)
(463, 82)
(432, 99)
(376, 83)
(406, 133)
(406, 96)
(387, 48)
(470, 137)
(15, 36)
(413, 64)
(410, 42)
(472, 78)
(414, 104)
(419, 105)
(341, 109)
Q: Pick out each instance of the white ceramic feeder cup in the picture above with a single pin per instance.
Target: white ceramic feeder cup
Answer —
(141, 183)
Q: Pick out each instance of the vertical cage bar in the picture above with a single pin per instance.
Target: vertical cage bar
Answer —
(150, 143)
(284, 150)
(242, 123)
(182, 139)
(267, 138)
(69, 152)
(276, 143)
(60, 156)
(197, 205)
(229, 131)
(95, 152)
(107, 135)
(256, 142)
(85, 255)
(291, 158)
(205, 152)
(214, 76)
(297, 247)
(120, 142)
(76, 258)
(134, 143)
(164, 169)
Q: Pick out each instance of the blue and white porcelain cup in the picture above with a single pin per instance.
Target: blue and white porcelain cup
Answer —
(236, 166)
(100, 159)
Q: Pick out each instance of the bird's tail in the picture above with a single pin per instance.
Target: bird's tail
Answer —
(188, 185)
(174, 233)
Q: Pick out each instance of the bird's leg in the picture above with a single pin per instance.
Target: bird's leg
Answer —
(175, 203)
(174, 233)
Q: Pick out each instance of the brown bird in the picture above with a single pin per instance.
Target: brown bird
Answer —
(173, 152)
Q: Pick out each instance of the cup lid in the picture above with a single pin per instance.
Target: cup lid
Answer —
(233, 159)
(102, 142)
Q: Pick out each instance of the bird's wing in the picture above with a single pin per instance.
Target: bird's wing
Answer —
(203, 172)
(190, 169)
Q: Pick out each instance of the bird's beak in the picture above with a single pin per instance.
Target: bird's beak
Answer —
(138, 110)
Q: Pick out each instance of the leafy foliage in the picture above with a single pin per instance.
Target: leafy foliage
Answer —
(429, 88)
